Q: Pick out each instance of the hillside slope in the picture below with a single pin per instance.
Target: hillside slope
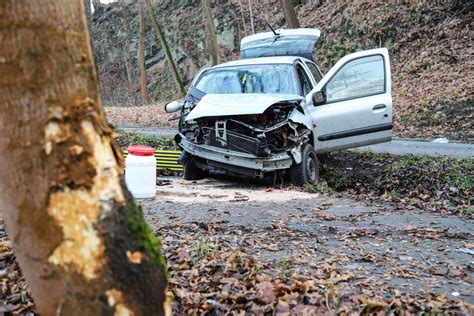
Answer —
(430, 45)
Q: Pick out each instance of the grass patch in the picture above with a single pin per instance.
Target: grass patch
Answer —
(126, 139)
(283, 268)
(318, 188)
(444, 182)
(203, 249)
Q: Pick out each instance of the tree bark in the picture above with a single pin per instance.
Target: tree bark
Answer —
(97, 5)
(81, 241)
(141, 53)
(251, 16)
(290, 15)
(244, 25)
(164, 44)
(87, 4)
(211, 29)
(128, 58)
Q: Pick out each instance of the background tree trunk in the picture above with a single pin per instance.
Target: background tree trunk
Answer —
(251, 16)
(128, 56)
(87, 4)
(211, 29)
(164, 44)
(97, 5)
(290, 15)
(81, 241)
(141, 54)
(244, 25)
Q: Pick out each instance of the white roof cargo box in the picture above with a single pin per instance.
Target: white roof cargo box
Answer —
(291, 42)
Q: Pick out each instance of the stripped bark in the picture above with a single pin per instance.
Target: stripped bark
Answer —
(164, 44)
(211, 30)
(290, 14)
(141, 53)
(81, 241)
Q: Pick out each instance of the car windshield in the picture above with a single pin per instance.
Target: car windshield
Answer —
(270, 78)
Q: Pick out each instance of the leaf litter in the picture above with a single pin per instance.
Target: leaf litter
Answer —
(288, 252)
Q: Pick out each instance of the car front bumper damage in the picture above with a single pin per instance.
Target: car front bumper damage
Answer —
(219, 157)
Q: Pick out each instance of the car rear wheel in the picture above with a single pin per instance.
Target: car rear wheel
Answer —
(192, 171)
(307, 171)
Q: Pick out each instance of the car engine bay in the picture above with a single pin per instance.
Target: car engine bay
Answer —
(260, 135)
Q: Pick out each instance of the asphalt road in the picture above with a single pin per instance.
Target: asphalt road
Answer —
(382, 246)
(395, 147)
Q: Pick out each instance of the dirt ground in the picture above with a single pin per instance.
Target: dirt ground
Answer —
(146, 115)
(352, 251)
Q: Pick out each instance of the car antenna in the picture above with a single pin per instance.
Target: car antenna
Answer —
(271, 28)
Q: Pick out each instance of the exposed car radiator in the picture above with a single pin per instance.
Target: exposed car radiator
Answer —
(256, 146)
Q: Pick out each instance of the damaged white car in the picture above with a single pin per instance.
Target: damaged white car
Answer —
(272, 112)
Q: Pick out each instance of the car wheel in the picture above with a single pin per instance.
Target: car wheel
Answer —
(308, 170)
(192, 171)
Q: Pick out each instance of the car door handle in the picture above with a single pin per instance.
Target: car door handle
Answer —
(379, 107)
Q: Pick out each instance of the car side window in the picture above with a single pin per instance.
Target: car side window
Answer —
(358, 78)
(314, 71)
(306, 85)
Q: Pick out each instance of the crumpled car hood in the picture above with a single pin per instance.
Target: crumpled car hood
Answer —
(237, 104)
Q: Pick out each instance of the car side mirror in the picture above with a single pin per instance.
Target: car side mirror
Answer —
(319, 98)
(173, 107)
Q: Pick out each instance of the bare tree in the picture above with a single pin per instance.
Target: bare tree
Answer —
(211, 30)
(243, 17)
(87, 5)
(97, 5)
(141, 53)
(164, 44)
(251, 16)
(128, 55)
(290, 14)
(81, 241)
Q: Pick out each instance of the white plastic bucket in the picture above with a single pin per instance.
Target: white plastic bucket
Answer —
(140, 171)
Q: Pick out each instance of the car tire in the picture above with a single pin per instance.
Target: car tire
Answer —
(307, 171)
(192, 171)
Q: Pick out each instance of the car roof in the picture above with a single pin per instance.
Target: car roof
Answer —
(262, 61)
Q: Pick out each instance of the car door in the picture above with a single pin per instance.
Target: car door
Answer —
(314, 70)
(355, 107)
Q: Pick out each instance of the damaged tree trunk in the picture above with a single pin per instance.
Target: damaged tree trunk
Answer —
(211, 30)
(290, 14)
(82, 243)
(164, 44)
(141, 53)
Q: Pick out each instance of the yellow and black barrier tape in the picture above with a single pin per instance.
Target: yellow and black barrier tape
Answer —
(165, 159)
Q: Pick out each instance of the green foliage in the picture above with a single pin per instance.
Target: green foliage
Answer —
(318, 187)
(428, 174)
(203, 249)
(445, 181)
(126, 139)
(143, 236)
(283, 267)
